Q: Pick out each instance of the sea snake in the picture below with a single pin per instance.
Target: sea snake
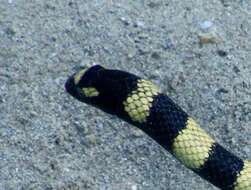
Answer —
(141, 103)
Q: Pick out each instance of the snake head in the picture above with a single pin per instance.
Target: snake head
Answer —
(81, 85)
(100, 87)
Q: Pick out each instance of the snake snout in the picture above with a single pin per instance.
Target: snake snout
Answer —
(70, 86)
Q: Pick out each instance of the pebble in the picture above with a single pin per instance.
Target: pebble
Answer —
(2, 100)
(134, 187)
(139, 24)
(246, 150)
(7, 132)
(236, 69)
(130, 55)
(208, 38)
(206, 25)
(155, 55)
(136, 133)
(59, 81)
(154, 4)
(125, 21)
(11, 31)
(222, 53)
(167, 44)
(90, 140)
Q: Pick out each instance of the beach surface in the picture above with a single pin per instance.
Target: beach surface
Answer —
(198, 52)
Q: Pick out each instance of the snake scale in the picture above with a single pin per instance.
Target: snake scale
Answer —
(141, 103)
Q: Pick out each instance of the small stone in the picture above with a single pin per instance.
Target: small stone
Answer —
(167, 44)
(10, 31)
(222, 53)
(6, 132)
(222, 90)
(236, 69)
(155, 55)
(225, 3)
(134, 187)
(220, 94)
(2, 100)
(90, 140)
(206, 25)
(54, 39)
(130, 55)
(208, 38)
(136, 133)
(58, 80)
(246, 150)
(70, 4)
(125, 21)
(154, 4)
(140, 24)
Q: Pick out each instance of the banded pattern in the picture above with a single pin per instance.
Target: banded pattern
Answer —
(192, 145)
(243, 177)
(141, 103)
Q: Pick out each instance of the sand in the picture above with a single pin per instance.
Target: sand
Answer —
(198, 52)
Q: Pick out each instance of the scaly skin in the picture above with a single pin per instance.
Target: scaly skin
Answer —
(142, 104)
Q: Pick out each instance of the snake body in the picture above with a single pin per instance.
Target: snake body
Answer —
(141, 103)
